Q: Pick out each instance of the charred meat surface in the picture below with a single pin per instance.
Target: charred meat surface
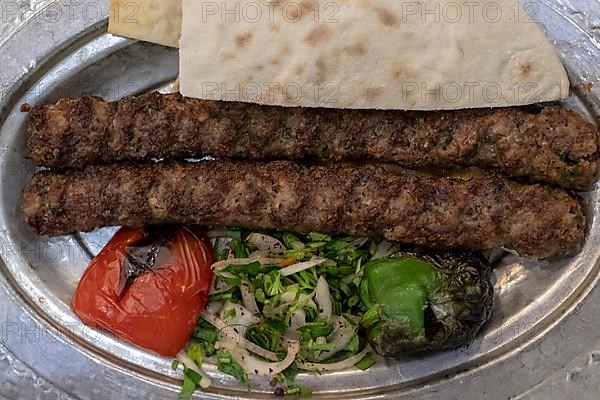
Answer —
(480, 212)
(549, 144)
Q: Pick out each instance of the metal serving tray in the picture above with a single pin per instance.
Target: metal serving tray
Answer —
(544, 337)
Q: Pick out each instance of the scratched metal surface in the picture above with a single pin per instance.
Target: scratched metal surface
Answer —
(544, 339)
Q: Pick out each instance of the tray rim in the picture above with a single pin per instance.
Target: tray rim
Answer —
(13, 301)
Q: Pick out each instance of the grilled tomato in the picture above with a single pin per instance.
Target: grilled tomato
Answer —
(148, 286)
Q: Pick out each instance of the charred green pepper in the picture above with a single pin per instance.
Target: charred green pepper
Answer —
(425, 302)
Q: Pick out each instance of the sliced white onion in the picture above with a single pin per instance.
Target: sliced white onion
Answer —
(248, 298)
(359, 241)
(297, 319)
(219, 286)
(336, 366)
(219, 265)
(213, 308)
(254, 254)
(189, 363)
(242, 319)
(295, 268)
(288, 299)
(267, 245)
(226, 331)
(290, 296)
(253, 365)
(323, 298)
(385, 249)
(212, 318)
(229, 334)
(340, 337)
(223, 243)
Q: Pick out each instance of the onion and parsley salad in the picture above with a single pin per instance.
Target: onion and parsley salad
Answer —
(283, 302)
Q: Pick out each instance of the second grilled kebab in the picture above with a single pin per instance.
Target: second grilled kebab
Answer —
(481, 212)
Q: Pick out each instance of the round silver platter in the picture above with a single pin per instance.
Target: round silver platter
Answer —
(543, 339)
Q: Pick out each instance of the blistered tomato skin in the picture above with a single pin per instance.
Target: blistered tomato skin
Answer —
(148, 286)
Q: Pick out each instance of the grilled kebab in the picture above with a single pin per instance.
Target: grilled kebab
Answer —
(479, 212)
(549, 144)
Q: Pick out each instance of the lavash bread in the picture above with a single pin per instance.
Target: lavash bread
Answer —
(377, 54)
(156, 21)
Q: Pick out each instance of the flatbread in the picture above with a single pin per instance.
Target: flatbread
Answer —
(156, 21)
(378, 54)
